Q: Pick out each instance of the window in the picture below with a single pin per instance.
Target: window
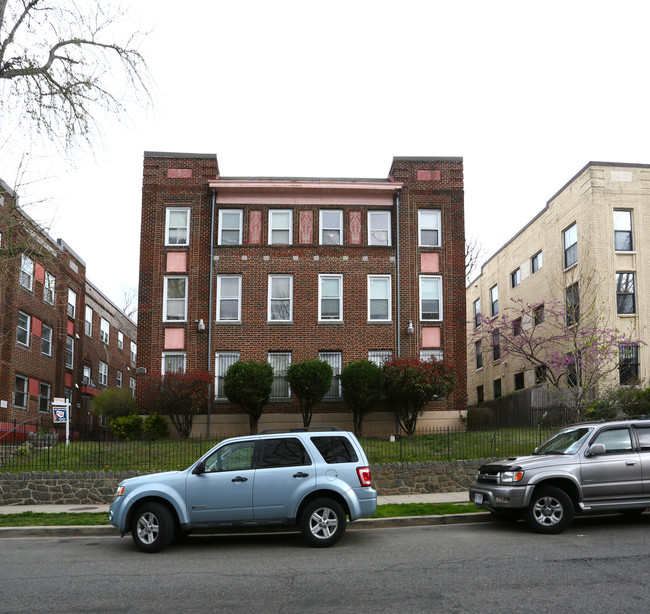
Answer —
(177, 226)
(540, 374)
(378, 227)
(174, 362)
(429, 228)
(330, 301)
(570, 246)
(46, 340)
(134, 352)
(573, 369)
(283, 452)
(89, 321)
(519, 381)
(27, 272)
(118, 378)
(132, 386)
(516, 327)
(494, 300)
(222, 361)
(230, 227)
(477, 313)
(496, 345)
(616, 441)
(72, 303)
(20, 392)
(628, 364)
(88, 380)
(430, 298)
(120, 340)
(334, 360)
(479, 355)
(538, 314)
(379, 307)
(280, 306)
(536, 262)
(175, 299)
(69, 352)
(44, 397)
(331, 227)
(515, 278)
(103, 373)
(379, 357)
(24, 327)
(228, 298)
(280, 227)
(623, 231)
(480, 394)
(572, 304)
(625, 303)
(496, 385)
(48, 288)
(431, 355)
(236, 456)
(335, 449)
(104, 331)
(280, 362)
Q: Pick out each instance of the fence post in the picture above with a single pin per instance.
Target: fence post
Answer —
(448, 444)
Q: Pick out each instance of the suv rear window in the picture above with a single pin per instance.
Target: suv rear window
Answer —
(335, 449)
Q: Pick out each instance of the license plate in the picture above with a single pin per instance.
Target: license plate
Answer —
(478, 498)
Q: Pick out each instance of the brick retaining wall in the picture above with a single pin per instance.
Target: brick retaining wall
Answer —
(97, 487)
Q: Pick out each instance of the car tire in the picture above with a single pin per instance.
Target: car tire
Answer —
(322, 522)
(550, 510)
(153, 527)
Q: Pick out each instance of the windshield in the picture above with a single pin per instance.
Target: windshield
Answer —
(564, 442)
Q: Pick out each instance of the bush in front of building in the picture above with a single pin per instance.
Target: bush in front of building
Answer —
(249, 384)
(127, 427)
(309, 380)
(114, 403)
(361, 382)
(155, 427)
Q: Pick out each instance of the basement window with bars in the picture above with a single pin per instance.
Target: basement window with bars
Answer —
(222, 361)
(280, 362)
(334, 360)
(174, 362)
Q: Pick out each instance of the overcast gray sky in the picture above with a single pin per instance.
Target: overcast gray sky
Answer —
(527, 93)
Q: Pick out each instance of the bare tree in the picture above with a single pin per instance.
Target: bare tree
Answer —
(474, 253)
(58, 66)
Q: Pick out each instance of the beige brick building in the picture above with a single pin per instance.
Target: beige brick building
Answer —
(595, 232)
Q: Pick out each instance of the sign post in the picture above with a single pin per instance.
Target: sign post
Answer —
(61, 413)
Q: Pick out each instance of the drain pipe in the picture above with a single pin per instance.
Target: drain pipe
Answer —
(399, 310)
(214, 202)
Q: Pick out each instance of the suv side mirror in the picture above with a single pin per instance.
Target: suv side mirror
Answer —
(199, 469)
(596, 449)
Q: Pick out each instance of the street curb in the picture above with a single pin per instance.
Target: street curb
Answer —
(362, 524)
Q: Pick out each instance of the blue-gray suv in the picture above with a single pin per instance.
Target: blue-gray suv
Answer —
(314, 479)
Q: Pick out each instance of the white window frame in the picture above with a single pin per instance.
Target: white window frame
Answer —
(120, 340)
(536, 262)
(72, 303)
(388, 299)
(515, 277)
(43, 386)
(176, 300)
(273, 226)
(379, 357)
(49, 285)
(69, 352)
(23, 333)
(87, 376)
(221, 298)
(222, 360)
(280, 361)
(240, 226)
(623, 290)
(132, 386)
(618, 228)
(103, 373)
(183, 242)
(88, 325)
(104, 331)
(424, 223)
(494, 300)
(373, 228)
(477, 312)
(46, 340)
(567, 236)
(24, 392)
(425, 279)
(275, 299)
(434, 354)
(27, 272)
(335, 360)
(338, 228)
(321, 279)
(118, 378)
(179, 357)
(134, 352)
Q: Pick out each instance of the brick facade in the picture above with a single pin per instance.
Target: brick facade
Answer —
(191, 183)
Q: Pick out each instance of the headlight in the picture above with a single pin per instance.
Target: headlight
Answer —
(119, 492)
(511, 476)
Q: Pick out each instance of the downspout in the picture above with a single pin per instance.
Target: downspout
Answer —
(214, 201)
(399, 310)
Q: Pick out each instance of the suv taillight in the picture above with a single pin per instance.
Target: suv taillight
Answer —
(365, 479)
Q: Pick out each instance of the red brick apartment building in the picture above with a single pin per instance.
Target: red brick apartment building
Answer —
(286, 269)
(59, 335)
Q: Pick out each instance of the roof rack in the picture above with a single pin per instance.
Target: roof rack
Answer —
(302, 429)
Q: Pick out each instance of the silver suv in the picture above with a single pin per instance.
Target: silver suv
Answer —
(590, 467)
(310, 478)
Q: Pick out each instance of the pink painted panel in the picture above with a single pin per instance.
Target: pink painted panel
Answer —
(355, 227)
(430, 337)
(423, 175)
(179, 173)
(306, 227)
(70, 327)
(37, 327)
(176, 262)
(174, 338)
(255, 227)
(39, 272)
(430, 263)
(33, 387)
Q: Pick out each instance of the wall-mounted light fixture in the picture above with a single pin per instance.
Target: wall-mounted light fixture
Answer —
(410, 330)
(200, 325)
